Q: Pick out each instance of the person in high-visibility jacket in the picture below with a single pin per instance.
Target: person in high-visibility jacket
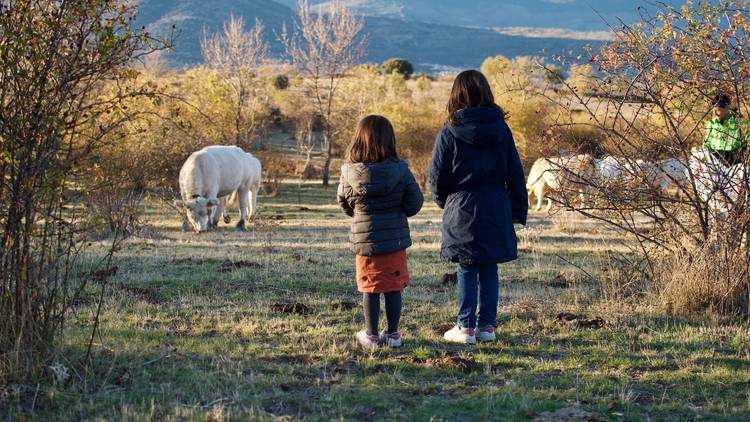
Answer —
(726, 132)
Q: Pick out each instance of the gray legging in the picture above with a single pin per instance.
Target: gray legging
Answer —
(371, 303)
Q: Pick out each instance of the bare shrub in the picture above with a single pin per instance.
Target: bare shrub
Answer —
(624, 278)
(650, 96)
(59, 57)
(113, 210)
(711, 277)
(275, 169)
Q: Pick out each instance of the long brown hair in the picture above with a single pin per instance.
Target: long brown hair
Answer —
(470, 89)
(374, 141)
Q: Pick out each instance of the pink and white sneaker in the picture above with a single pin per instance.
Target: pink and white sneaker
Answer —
(486, 333)
(367, 341)
(460, 335)
(392, 340)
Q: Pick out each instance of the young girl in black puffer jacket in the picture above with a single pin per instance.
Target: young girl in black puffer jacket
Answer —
(380, 192)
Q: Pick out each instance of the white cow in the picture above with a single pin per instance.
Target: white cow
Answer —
(716, 183)
(609, 169)
(613, 171)
(661, 175)
(673, 174)
(646, 171)
(555, 174)
(218, 172)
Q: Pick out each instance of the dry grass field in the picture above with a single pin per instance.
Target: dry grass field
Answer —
(259, 325)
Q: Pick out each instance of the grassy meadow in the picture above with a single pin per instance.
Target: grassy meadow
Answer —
(259, 325)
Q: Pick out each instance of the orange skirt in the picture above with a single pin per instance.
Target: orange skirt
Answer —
(382, 273)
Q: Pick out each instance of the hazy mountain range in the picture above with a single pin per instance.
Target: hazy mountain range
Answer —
(432, 34)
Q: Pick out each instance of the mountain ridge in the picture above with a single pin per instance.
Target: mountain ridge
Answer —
(431, 44)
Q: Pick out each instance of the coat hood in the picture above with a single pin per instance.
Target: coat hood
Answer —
(480, 126)
(374, 178)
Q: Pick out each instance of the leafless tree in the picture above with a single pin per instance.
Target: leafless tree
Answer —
(238, 53)
(324, 45)
(649, 101)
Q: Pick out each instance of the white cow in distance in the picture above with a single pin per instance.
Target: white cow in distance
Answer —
(609, 168)
(661, 175)
(209, 177)
(674, 174)
(716, 183)
(574, 173)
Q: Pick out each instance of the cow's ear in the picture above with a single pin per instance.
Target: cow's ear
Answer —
(213, 202)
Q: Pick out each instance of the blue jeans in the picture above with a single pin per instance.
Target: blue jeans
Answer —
(489, 291)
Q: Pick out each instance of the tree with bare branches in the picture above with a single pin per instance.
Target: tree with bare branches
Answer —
(324, 45)
(237, 54)
(66, 76)
(649, 100)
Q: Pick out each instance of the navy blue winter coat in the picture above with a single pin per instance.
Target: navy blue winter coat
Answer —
(477, 177)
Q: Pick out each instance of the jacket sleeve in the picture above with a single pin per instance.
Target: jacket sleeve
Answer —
(343, 194)
(516, 183)
(440, 170)
(413, 199)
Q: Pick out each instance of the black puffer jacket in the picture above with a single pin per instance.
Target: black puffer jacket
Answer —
(477, 177)
(380, 196)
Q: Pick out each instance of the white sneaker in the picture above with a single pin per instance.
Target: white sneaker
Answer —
(392, 340)
(486, 333)
(367, 341)
(459, 335)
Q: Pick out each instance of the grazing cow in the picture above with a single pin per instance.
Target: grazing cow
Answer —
(647, 172)
(717, 184)
(608, 169)
(558, 174)
(626, 171)
(673, 174)
(218, 172)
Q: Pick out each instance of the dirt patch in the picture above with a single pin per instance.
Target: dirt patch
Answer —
(209, 334)
(297, 256)
(440, 329)
(574, 321)
(344, 305)
(559, 282)
(292, 308)
(147, 294)
(229, 266)
(81, 301)
(567, 414)
(463, 363)
(449, 278)
(100, 276)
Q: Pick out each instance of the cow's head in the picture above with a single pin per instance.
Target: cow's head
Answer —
(198, 211)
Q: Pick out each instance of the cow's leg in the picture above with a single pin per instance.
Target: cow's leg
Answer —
(231, 199)
(539, 193)
(242, 197)
(529, 196)
(253, 201)
(544, 193)
(219, 212)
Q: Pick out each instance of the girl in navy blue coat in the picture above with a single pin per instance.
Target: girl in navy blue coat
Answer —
(476, 176)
